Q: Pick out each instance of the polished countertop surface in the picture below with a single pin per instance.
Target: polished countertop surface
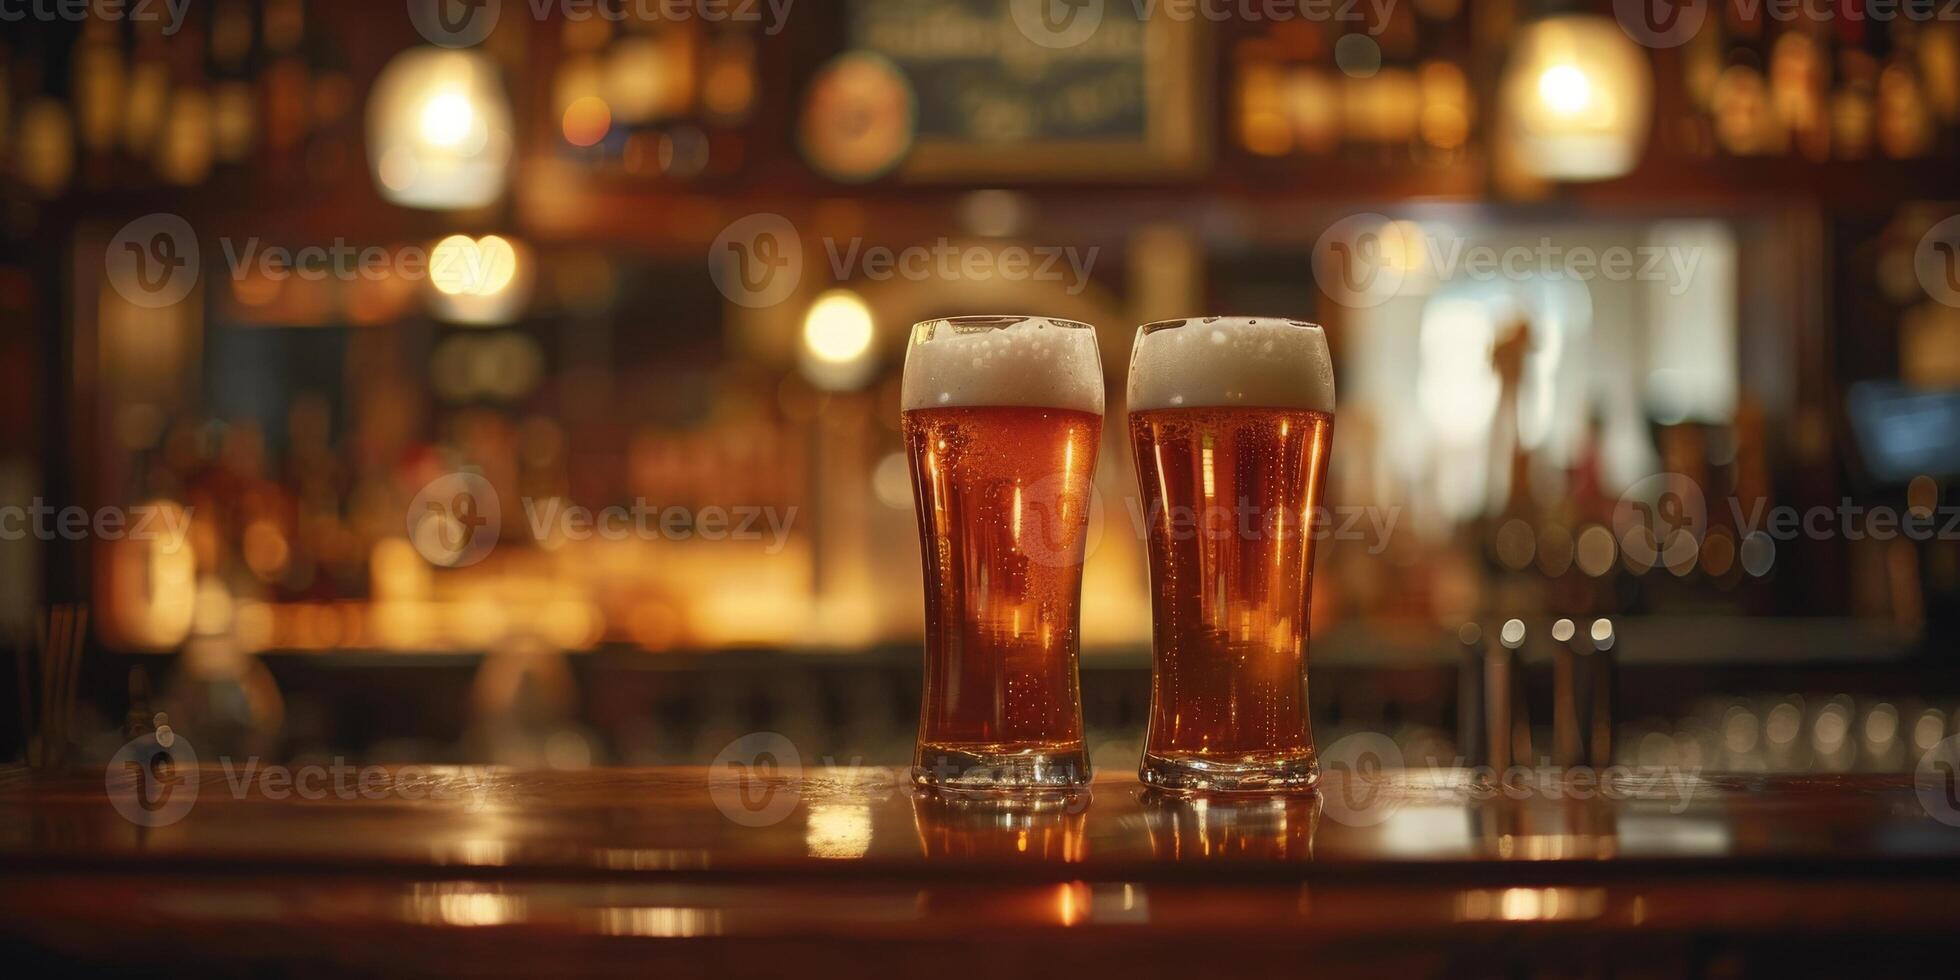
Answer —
(405, 861)
(829, 821)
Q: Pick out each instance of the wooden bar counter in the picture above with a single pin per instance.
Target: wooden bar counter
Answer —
(848, 871)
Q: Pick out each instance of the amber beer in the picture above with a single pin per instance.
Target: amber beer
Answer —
(1002, 417)
(1231, 420)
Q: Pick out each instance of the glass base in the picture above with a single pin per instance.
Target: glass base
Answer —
(991, 767)
(1290, 773)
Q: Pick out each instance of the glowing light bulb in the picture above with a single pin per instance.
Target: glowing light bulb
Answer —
(838, 327)
(837, 336)
(439, 129)
(1577, 96)
(1565, 89)
(447, 118)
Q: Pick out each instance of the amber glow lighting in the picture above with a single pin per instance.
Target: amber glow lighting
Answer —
(439, 130)
(587, 121)
(149, 587)
(837, 335)
(478, 280)
(1576, 97)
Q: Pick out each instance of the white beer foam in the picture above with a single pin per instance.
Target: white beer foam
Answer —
(1218, 361)
(1031, 363)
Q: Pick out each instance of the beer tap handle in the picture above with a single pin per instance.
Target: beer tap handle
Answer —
(1521, 748)
(1603, 692)
(1568, 705)
(1470, 695)
(1500, 694)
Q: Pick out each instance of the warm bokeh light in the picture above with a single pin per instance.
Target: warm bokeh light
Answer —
(1565, 89)
(479, 281)
(439, 130)
(462, 265)
(1575, 99)
(587, 121)
(447, 119)
(837, 335)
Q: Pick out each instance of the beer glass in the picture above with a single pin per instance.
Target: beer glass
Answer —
(1231, 419)
(1002, 416)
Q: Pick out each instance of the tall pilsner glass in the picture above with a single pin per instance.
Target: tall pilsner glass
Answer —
(1002, 416)
(1231, 419)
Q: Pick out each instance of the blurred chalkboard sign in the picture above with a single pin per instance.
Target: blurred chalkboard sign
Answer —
(1038, 88)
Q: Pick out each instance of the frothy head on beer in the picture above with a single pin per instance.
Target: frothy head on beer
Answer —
(1024, 361)
(1222, 361)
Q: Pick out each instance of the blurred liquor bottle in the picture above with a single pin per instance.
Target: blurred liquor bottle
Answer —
(229, 62)
(1388, 87)
(655, 98)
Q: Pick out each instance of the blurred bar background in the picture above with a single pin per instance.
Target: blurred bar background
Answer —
(1513, 441)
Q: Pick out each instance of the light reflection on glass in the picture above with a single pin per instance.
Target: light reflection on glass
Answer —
(1041, 827)
(1265, 828)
